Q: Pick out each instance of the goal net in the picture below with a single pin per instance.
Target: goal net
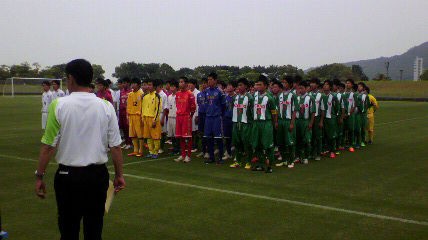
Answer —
(24, 86)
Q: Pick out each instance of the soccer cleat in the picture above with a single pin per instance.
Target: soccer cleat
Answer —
(305, 161)
(127, 147)
(179, 159)
(160, 151)
(232, 148)
(194, 150)
(297, 160)
(132, 154)
(123, 146)
(291, 165)
(207, 155)
(149, 155)
(139, 155)
(280, 164)
(155, 156)
(235, 165)
(280, 158)
(187, 159)
(168, 142)
(337, 153)
(370, 142)
(351, 149)
(317, 158)
(215, 151)
(220, 162)
(258, 169)
(254, 160)
(268, 170)
(200, 154)
(332, 155)
(363, 144)
(248, 166)
(226, 156)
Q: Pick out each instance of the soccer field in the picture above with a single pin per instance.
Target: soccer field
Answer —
(379, 192)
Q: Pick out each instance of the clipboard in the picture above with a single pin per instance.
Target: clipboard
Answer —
(110, 196)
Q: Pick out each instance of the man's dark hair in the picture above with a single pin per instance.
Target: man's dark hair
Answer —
(276, 82)
(367, 89)
(158, 82)
(244, 81)
(186, 80)
(336, 82)
(289, 79)
(99, 80)
(298, 78)
(108, 81)
(173, 82)
(233, 83)
(204, 80)
(263, 79)
(342, 85)
(315, 80)
(351, 81)
(57, 82)
(136, 80)
(81, 70)
(105, 83)
(329, 82)
(46, 82)
(126, 80)
(304, 84)
(222, 83)
(194, 82)
(92, 86)
(213, 75)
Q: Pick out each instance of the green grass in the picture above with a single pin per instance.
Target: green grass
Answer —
(399, 88)
(388, 178)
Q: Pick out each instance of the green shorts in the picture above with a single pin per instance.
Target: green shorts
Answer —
(241, 134)
(262, 134)
(304, 134)
(283, 135)
(330, 127)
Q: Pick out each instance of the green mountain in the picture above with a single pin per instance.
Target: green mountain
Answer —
(372, 67)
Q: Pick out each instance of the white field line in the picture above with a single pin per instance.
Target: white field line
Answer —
(250, 195)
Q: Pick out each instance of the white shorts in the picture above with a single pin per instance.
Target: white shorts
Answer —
(194, 125)
(171, 126)
(44, 119)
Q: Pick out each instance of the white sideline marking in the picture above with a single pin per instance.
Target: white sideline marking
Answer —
(397, 121)
(143, 161)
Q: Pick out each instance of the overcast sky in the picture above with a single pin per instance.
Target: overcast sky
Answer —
(189, 33)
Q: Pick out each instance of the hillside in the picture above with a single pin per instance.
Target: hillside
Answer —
(404, 61)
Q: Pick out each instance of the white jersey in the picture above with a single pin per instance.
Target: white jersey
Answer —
(286, 105)
(171, 106)
(317, 95)
(58, 93)
(46, 100)
(195, 93)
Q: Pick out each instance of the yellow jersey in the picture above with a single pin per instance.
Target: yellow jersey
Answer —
(152, 105)
(133, 106)
(373, 105)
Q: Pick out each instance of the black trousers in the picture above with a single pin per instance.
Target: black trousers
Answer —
(81, 194)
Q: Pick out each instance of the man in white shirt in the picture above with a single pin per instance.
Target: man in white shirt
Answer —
(57, 92)
(163, 118)
(192, 87)
(46, 100)
(81, 128)
(171, 113)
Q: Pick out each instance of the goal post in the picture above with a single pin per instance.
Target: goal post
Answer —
(25, 86)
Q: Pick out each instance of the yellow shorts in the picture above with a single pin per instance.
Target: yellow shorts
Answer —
(370, 117)
(149, 130)
(135, 126)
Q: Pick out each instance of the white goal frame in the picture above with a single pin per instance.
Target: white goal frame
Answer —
(17, 78)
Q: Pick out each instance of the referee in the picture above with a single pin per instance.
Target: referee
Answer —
(81, 128)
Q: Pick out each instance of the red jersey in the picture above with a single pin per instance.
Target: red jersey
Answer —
(106, 95)
(185, 102)
(123, 101)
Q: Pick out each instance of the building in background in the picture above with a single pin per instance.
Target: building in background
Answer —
(418, 68)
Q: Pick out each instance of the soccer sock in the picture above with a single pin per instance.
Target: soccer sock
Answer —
(204, 145)
(270, 156)
(157, 144)
(141, 142)
(183, 147)
(151, 145)
(135, 143)
(189, 146)
(210, 142)
(220, 147)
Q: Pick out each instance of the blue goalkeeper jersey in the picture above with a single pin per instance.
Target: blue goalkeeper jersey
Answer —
(215, 102)
(201, 101)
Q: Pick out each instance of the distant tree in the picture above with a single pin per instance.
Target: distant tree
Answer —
(129, 69)
(358, 72)
(330, 71)
(98, 71)
(380, 77)
(424, 75)
(225, 75)
(4, 71)
(251, 76)
(165, 71)
(22, 70)
(55, 71)
(186, 72)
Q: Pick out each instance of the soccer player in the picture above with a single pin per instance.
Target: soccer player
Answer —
(265, 120)
(123, 118)
(362, 104)
(171, 113)
(317, 131)
(57, 92)
(276, 88)
(200, 119)
(349, 101)
(329, 107)
(192, 86)
(338, 90)
(373, 107)
(215, 105)
(46, 100)
(286, 132)
(151, 110)
(296, 80)
(304, 122)
(242, 116)
(163, 119)
(227, 118)
(133, 110)
(103, 92)
(186, 107)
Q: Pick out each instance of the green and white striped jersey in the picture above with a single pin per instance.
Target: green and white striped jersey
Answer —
(330, 105)
(264, 104)
(317, 97)
(306, 107)
(339, 96)
(362, 102)
(349, 101)
(287, 104)
(242, 105)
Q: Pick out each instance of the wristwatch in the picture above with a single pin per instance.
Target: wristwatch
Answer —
(39, 175)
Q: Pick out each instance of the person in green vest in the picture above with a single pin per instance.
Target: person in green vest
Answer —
(317, 131)
(242, 118)
(363, 105)
(349, 102)
(329, 108)
(265, 120)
